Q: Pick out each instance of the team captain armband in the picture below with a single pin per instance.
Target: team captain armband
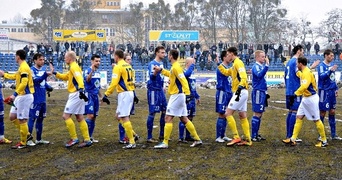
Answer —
(23, 75)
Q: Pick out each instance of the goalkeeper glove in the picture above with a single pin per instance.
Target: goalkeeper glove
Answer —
(238, 93)
(9, 101)
(188, 98)
(48, 90)
(82, 95)
(105, 99)
(267, 97)
(136, 100)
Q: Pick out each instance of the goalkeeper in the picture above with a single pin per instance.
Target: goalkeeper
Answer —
(76, 101)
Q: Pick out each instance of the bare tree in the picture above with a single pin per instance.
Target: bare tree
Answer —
(135, 22)
(186, 13)
(331, 27)
(160, 14)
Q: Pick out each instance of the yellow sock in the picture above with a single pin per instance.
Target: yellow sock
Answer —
(71, 128)
(191, 128)
(232, 126)
(321, 131)
(167, 132)
(84, 130)
(128, 130)
(16, 123)
(245, 128)
(23, 133)
(297, 128)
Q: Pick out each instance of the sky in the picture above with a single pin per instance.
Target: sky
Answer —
(313, 10)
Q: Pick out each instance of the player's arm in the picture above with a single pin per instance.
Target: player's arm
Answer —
(182, 79)
(151, 72)
(88, 75)
(167, 72)
(189, 71)
(242, 73)
(305, 82)
(115, 80)
(39, 79)
(23, 82)
(322, 74)
(9, 76)
(259, 72)
(61, 76)
(224, 71)
(77, 74)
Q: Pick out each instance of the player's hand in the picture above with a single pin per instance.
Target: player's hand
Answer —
(49, 89)
(136, 99)
(315, 64)
(333, 68)
(9, 101)
(2, 73)
(267, 61)
(266, 102)
(156, 68)
(336, 93)
(292, 99)
(105, 99)
(82, 95)
(188, 98)
(238, 93)
(198, 102)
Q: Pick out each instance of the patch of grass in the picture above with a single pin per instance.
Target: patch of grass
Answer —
(107, 160)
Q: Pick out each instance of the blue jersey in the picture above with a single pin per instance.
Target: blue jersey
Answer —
(292, 81)
(326, 78)
(155, 82)
(39, 79)
(189, 74)
(224, 83)
(93, 86)
(258, 77)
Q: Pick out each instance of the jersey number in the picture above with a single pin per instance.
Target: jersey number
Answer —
(288, 72)
(129, 74)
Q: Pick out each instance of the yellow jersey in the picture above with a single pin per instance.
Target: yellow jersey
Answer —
(178, 82)
(73, 76)
(237, 72)
(308, 85)
(122, 78)
(23, 79)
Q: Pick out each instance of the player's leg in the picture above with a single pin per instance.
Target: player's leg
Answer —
(332, 121)
(40, 125)
(125, 103)
(221, 105)
(34, 113)
(258, 106)
(163, 104)
(3, 140)
(90, 109)
(152, 100)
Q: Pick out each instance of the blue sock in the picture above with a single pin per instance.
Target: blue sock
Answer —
(187, 133)
(292, 123)
(2, 125)
(121, 132)
(332, 124)
(39, 128)
(288, 135)
(181, 127)
(31, 124)
(322, 119)
(224, 127)
(149, 125)
(162, 125)
(218, 127)
(259, 126)
(91, 126)
(255, 126)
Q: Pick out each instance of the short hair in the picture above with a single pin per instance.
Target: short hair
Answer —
(37, 56)
(119, 53)
(223, 54)
(158, 48)
(95, 56)
(21, 53)
(232, 50)
(125, 55)
(174, 54)
(302, 60)
(258, 52)
(327, 52)
(296, 49)
(71, 54)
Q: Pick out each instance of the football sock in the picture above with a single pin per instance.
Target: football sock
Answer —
(91, 126)
(322, 119)
(71, 128)
(23, 133)
(288, 117)
(121, 132)
(223, 128)
(16, 123)
(39, 128)
(167, 132)
(255, 125)
(31, 124)
(332, 124)
(181, 128)
(297, 127)
(232, 126)
(219, 127)
(149, 125)
(84, 130)
(245, 128)
(320, 129)
(162, 124)
(129, 131)
(191, 128)
(2, 126)
(292, 123)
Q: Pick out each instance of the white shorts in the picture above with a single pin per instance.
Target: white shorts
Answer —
(309, 107)
(240, 105)
(74, 105)
(22, 105)
(177, 106)
(125, 103)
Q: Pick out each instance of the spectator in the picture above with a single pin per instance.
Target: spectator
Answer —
(174, 45)
(67, 46)
(198, 55)
(72, 46)
(280, 49)
(266, 48)
(240, 48)
(220, 46)
(181, 51)
(192, 49)
(317, 48)
(144, 58)
(308, 48)
(337, 51)
(198, 46)
(259, 47)
(187, 49)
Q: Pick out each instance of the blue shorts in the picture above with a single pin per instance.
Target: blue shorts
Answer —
(327, 100)
(222, 100)
(296, 103)
(258, 101)
(38, 110)
(132, 110)
(92, 106)
(191, 107)
(156, 101)
(1, 107)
